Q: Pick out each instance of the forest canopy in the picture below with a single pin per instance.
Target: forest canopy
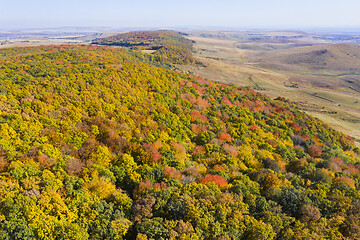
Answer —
(97, 143)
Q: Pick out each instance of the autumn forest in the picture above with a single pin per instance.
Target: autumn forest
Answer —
(107, 142)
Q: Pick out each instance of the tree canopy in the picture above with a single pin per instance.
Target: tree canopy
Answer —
(97, 143)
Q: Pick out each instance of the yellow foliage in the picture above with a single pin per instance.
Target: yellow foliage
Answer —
(141, 236)
(245, 155)
(101, 187)
(133, 175)
(50, 181)
(120, 228)
(189, 236)
(127, 162)
(122, 201)
(102, 156)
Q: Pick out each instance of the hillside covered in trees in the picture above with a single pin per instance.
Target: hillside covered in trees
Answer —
(97, 143)
(168, 46)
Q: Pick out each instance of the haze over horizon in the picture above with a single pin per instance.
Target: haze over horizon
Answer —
(160, 13)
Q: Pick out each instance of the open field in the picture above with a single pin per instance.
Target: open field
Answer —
(284, 68)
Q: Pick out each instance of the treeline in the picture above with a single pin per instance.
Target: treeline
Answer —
(97, 144)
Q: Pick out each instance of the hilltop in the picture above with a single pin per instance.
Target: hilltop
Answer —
(151, 40)
(98, 143)
(167, 46)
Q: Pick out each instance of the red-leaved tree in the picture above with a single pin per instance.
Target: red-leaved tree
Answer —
(217, 179)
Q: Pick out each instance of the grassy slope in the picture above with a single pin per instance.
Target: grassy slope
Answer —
(331, 59)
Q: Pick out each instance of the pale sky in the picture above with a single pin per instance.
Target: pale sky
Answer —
(167, 13)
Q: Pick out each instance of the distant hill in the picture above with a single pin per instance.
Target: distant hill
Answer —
(169, 46)
(332, 58)
(146, 40)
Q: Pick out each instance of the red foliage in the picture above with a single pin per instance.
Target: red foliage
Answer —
(239, 104)
(218, 167)
(350, 139)
(198, 128)
(179, 148)
(198, 150)
(203, 102)
(257, 109)
(189, 97)
(317, 140)
(147, 184)
(231, 150)
(295, 126)
(347, 181)
(24, 72)
(305, 137)
(171, 173)
(211, 98)
(158, 144)
(154, 153)
(227, 102)
(217, 179)
(272, 142)
(195, 114)
(351, 170)
(267, 110)
(252, 128)
(202, 80)
(143, 186)
(45, 162)
(226, 116)
(252, 92)
(301, 147)
(225, 137)
(336, 164)
(258, 106)
(281, 164)
(219, 114)
(314, 151)
(201, 90)
(258, 103)
(161, 185)
(193, 172)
